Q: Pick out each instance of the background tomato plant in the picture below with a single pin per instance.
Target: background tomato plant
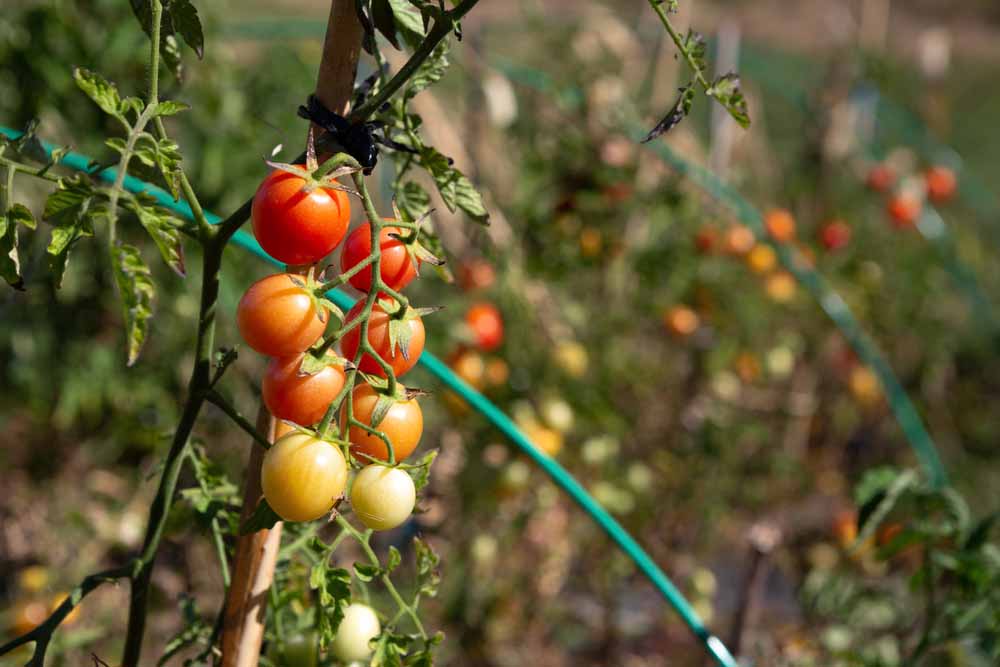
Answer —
(759, 415)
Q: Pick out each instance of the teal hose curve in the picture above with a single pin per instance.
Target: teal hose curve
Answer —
(713, 645)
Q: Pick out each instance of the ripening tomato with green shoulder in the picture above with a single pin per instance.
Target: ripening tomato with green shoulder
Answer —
(403, 424)
(302, 476)
(382, 497)
(277, 316)
(298, 222)
(298, 397)
(400, 357)
(486, 326)
(397, 266)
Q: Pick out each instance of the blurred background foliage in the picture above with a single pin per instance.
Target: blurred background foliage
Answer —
(729, 446)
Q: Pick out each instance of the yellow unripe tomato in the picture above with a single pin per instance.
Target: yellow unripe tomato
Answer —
(590, 242)
(302, 477)
(33, 578)
(681, 321)
(781, 287)
(864, 386)
(546, 439)
(357, 629)
(383, 497)
(762, 258)
(571, 357)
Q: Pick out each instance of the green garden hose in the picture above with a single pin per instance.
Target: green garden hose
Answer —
(487, 408)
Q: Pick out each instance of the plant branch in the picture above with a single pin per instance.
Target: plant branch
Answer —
(443, 25)
(217, 399)
(699, 75)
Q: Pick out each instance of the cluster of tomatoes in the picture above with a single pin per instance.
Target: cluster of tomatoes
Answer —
(299, 219)
(904, 205)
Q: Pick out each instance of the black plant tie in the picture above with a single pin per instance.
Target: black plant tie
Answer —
(359, 140)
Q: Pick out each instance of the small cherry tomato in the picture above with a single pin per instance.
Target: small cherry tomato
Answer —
(881, 178)
(739, 240)
(357, 629)
(476, 274)
(302, 477)
(903, 210)
(780, 225)
(941, 184)
(469, 365)
(591, 242)
(382, 497)
(780, 286)
(300, 398)
(864, 386)
(706, 239)
(378, 336)
(33, 578)
(301, 649)
(294, 225)
(402, 424)
(278, 317)
(762, 258)
(27, 616)
(497, 372)
(486, 324)
(835, 235)
(572, 358)
(396, 267)
(681, 321)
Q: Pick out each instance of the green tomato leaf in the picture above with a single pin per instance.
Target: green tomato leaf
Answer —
(407, 16)
(170, 107)
(385, 22)
(263, 518)
(422, 473)
(136, 288)
(366, 572)
(10, 264)
(726, 89)
(102, 92)
(677, 113)
(20, 214)
(395, 558)
(334, 587)
(72, 209)
(413, 200)
(186, 22)
(162, 228)
(427, 564)
(456, 190)
(430, 71)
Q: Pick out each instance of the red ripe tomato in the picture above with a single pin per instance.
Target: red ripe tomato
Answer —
(941, 184)
(278, 317)
(378, 336)
(881, 178)
(300, 398)
(835, 235)
(403, 424)
(903, 210)
(295, 226)
(476, 274)
(706, 239)
(396, 267)
(486, 324)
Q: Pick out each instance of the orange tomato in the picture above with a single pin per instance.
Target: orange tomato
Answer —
(904, 210)
(681, 321)
(299, 398)
(486, 324)
(762, 258)
(780, 225)
(739, 240)
(278, 317)
(403, 424)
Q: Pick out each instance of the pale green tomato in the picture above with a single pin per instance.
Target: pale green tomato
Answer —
(382, 497)
(302, 477)
(355, 632)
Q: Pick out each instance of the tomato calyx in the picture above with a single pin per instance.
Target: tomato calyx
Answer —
(314, 289)
(414, 249)
(314, 362)
(323, 176)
